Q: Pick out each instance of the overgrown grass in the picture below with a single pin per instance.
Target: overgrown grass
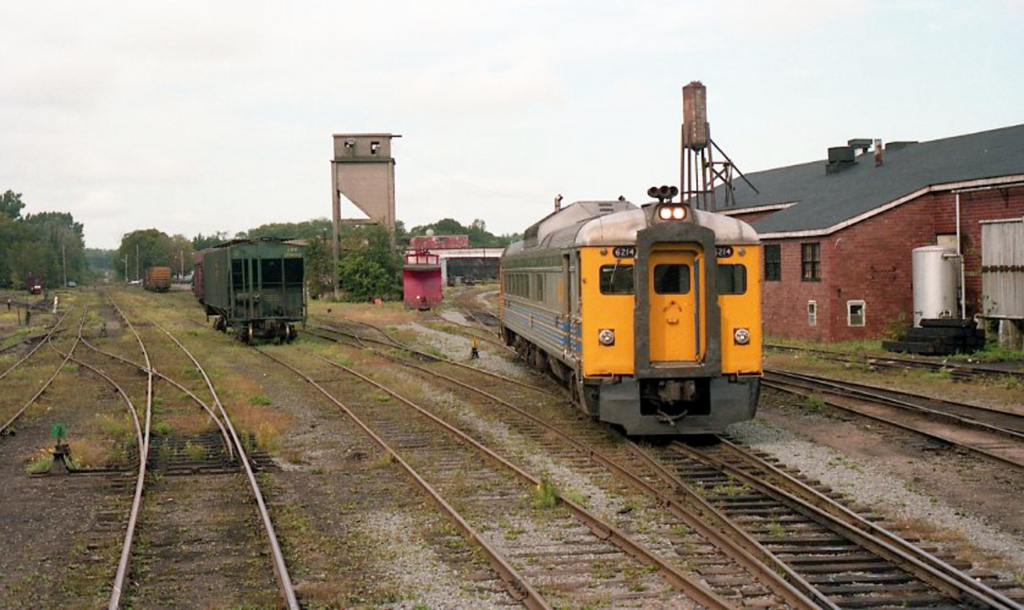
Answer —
(195, 451)
(545, 495)
(860, 346)
(775, 530)
(991, 353)
(813, 404)
(39, 464)
(260, 399)
(267, 437)
(942, 374)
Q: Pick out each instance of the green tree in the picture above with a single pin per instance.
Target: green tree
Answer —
(11, 205)
(182, 257)
(307, 229)
(39, 244)
(65, 251)
(479, 236)
(202, 242)
(370, 265)
(319, 266)
(143, 249)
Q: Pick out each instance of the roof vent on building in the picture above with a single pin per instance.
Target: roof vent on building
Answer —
(898, 145)
(861, 144)
(840, 158)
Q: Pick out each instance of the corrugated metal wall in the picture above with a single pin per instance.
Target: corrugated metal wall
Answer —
(1002, 268)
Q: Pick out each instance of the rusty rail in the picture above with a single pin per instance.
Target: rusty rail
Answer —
(140, 482)
(516, 584)
(280, 567)
(875, 538)
(737, 544)
(693, 588)
(7, 425)
(45, 338)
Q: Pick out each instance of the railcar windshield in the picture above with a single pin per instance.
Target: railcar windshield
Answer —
(617, 279)
(672, 279)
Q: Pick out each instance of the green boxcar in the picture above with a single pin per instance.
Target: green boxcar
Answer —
(255, 288)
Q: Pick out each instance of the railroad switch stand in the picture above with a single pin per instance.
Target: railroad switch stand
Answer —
(474, 352)
(61, 458)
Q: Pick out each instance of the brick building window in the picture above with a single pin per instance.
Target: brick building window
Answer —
(810, 262)
(773, 263)
(812, 313)
(855, 313)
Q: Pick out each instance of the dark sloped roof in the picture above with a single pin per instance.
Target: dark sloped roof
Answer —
(823, 201)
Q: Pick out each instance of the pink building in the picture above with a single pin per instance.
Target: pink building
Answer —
(421, 280)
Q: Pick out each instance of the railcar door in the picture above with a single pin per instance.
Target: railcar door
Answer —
(675, 317)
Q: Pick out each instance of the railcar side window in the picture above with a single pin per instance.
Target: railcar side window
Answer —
(237, 281)
(732, 279)
(293, 271)
(672, 279)
(617, 279)
(270, 269)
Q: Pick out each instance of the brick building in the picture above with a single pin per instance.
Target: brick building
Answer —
(838, 234)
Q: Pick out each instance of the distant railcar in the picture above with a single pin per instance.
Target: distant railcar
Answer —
(255, 288)
(34, 284)
(197, 274)
(158, 279)
(651, 315)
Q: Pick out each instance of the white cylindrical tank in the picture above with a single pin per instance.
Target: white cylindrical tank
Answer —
(936, 273)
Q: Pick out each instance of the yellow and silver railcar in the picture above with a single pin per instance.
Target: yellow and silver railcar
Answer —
(651, 315)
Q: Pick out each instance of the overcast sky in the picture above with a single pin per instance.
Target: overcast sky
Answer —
(193, 117)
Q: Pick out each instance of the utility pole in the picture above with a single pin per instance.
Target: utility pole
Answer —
(137, 276)
(64, 262)
(126, 268)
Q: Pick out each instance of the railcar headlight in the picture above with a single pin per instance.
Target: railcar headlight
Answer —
(741, 336)
(672, 212)
(606, 336)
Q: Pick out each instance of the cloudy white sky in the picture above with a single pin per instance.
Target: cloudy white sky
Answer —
(193, 117)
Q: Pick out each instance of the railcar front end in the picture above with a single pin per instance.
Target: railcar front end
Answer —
(255, 288)
(651, 315)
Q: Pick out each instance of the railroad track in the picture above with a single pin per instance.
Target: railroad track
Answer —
(199, 544)
(955, 370)
(867, 561)
(991, 433)
(574, 556)
(854, 561)
(11, 415)
(190, 561)
(334, 333)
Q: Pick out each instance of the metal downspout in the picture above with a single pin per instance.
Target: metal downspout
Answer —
(959, 253)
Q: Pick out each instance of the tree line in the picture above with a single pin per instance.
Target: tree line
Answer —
(51, 246)
(47, 245)
(370, 262)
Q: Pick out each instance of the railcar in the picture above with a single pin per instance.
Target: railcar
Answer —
(651, 315)
(158, 279)
(254, 288)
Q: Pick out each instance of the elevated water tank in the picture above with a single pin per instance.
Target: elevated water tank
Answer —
(936, 271)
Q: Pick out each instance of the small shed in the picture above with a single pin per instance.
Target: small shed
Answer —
(421, 277)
